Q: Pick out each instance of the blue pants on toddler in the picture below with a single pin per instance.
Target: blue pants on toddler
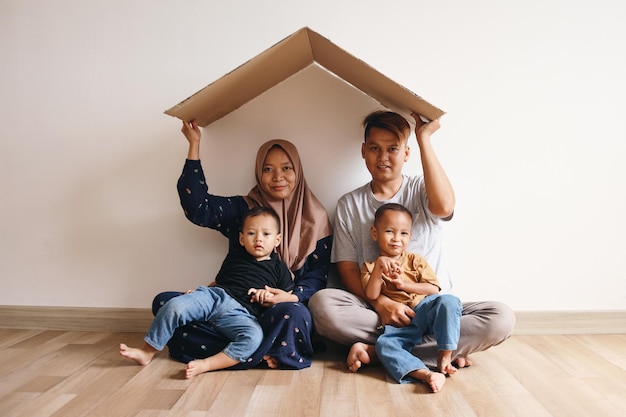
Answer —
(439, 314)
(211, 304)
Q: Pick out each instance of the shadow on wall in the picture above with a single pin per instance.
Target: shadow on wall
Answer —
(135, 237)
(320, 113)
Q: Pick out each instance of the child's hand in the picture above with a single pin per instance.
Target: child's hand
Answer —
(397, 282)
(389, 267)
(259, 295)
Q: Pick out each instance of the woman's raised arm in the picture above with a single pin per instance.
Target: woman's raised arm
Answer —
(193, 135)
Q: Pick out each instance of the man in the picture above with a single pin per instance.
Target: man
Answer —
(343, 315)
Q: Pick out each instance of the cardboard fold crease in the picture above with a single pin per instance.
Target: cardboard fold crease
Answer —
(296, 52)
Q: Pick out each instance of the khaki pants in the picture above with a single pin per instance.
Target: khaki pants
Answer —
(343, 317)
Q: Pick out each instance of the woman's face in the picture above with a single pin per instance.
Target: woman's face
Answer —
(278, 178)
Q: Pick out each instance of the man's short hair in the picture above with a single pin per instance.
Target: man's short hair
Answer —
(389, 121)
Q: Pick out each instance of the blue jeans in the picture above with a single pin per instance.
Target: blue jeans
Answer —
(214, 305)
(439, 314)
(287, 330)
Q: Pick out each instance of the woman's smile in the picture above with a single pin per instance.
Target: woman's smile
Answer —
(278, 178)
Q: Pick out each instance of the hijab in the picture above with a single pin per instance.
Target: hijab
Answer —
(303, 218)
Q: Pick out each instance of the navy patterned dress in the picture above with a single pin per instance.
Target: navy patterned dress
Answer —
(287, 326)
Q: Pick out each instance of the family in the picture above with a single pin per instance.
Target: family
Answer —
(270, 296)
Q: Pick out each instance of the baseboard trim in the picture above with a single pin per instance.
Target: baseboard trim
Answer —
(139, 319)
(76, 318)
(570, 322)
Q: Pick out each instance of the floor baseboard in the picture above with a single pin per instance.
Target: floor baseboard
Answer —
(570, 322)
(76, 318)
(139, 319)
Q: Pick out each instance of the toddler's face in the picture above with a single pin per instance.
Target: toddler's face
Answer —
(392, 232)
(259, 235)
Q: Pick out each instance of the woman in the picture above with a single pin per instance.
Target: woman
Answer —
(305, 248)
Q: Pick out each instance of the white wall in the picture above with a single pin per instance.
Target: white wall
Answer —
(533, 140)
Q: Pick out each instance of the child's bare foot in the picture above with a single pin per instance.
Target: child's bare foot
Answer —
(141, 356)
(197, 367)
(444, 362)
(271, 362)
(360, 354)
(462, 362)
(435, 380)
(212, 363)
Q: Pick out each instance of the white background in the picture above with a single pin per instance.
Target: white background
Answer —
(533, 139)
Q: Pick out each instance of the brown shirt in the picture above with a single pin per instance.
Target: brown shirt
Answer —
(414, 269)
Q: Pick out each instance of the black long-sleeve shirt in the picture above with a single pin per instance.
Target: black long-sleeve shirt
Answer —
(241, 271)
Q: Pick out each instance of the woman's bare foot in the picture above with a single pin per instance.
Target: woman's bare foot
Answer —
(360, 354)
(462, 362)
(271, 362)
(197, 367)
(141, 356)
(444, 362)
(435, 380)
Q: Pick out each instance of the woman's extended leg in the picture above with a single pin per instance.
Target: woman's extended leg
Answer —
(287, 329)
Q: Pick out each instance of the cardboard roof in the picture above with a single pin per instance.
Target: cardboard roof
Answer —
(294, 53)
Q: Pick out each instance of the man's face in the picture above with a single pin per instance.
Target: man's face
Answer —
(384, 155)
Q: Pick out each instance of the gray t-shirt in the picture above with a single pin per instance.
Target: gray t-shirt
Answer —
(354, 218)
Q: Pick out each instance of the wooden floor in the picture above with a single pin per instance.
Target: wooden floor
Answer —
(67, 374)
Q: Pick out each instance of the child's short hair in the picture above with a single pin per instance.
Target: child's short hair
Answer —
(260, 211)
(391, 207)
(389, 121)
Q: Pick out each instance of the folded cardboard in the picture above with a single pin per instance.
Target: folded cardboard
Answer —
(289, 56)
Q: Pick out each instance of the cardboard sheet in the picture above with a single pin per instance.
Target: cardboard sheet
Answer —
(289, 56)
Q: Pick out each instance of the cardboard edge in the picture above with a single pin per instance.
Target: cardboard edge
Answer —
(286, 58)
(235, 88)
(381, 88)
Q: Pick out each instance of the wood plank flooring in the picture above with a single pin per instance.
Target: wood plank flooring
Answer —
(74, 373)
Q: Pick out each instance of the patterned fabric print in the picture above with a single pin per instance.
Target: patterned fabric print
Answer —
(223, 214)
(295, 349)
(288, 322)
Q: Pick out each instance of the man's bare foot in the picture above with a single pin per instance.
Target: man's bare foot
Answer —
(435, 380)
(444, 362)
(360, 354)
(197, 367)
(462, 362)
(141, 356)
(271, 362)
